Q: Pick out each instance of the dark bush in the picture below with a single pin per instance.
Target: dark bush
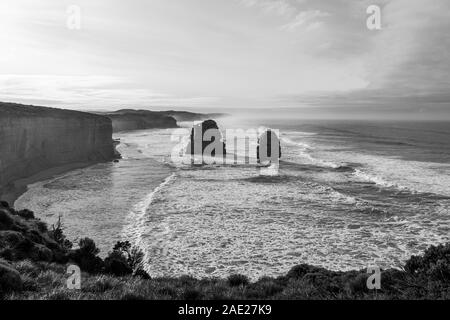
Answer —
(88, 247)
(301, 270)
(266, 287)
(4, 204)
(44, 253)
(57, 234)
(7, 254)
(358, 284)
(10, 238)
(42, 226)
(117, 264)
(35, 236)
(10, 279)
(5, 220)
(26, 214)
(434, 264)
(192, 294)
(167, 290)
(24, 246)
(133, 255)
(86, 256)
(235, 280)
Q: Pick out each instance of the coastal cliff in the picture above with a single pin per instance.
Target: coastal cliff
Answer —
(34, 139)
(130, 119)
(191, 116)
(127, 120)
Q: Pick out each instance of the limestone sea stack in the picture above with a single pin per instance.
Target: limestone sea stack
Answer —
(198, 136)
(268, 143)
(34, 139)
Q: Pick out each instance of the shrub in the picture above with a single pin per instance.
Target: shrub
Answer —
(26, 214)
(88, 247)
(235, 280)
(44, 253)
(266, 287)
(117, 264)
(358, 285)
(167, 290)
(4, 204)
(24, 246)
(6, 221)
(86, 256)
(34, 236)
(42, 226)
(7, 254)
(301, 270)
(191, 294)
(10, 238)
(133, 255)
(57, 234)
(10, 279)
(434, 264)
(125, 259)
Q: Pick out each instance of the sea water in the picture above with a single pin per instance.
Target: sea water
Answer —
(348, 195)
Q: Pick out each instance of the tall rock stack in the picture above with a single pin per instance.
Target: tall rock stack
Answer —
(268, 143)
(198, 143)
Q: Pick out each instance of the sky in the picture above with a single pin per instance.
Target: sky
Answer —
(226, 53)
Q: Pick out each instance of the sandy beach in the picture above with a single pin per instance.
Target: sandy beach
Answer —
(20, 186)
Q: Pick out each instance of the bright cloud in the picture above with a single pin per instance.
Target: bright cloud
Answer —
(213, 52)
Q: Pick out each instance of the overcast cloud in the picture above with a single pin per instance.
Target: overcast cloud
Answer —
(224, 53)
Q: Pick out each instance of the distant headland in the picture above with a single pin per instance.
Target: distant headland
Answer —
(130, 119)
(37, 143)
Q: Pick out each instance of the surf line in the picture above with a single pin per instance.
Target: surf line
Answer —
(135, 229)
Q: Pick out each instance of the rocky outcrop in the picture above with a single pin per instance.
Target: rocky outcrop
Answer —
(10, 279)
(268, 141)
(198, 135)
(127, 120)
(33, 139)
(22, 236)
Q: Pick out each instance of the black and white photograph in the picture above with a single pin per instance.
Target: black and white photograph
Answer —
(224, 150)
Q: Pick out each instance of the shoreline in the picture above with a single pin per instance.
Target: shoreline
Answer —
(18, 187)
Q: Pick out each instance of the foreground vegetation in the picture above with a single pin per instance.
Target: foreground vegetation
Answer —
(34, 260)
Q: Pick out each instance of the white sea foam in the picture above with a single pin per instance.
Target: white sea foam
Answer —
(217, 220)
(136, 220)
(305, 150)
(377, 180)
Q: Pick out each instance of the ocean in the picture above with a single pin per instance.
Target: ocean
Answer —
(349, 194)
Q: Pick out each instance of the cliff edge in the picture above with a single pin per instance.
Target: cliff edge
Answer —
(34, 139)
(127, 120)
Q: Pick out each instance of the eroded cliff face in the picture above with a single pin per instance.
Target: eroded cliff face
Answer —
(128, 119)
(33, 139)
